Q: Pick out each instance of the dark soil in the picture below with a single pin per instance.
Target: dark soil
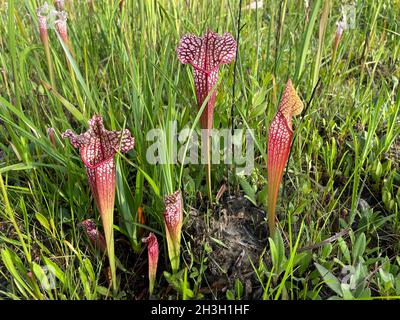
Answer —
(237, 235)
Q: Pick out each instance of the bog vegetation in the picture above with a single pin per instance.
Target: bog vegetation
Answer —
(84, 214)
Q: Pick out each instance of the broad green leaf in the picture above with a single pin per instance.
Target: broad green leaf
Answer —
(345, 250)
(280, 248)
(274, 254)
(238, 289)
(43, 221)
(330, 280)
(56, 269)
(85, 283)
(43, 277)
(347, 295)
(248, 190)
(359, 247)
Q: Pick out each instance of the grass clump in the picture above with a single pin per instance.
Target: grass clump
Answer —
(338, 232)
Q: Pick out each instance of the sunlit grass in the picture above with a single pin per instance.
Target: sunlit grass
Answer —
(343, 173)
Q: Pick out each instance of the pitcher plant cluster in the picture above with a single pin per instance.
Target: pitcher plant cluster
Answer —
(99, 147)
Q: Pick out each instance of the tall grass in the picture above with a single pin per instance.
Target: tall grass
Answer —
(124, 66)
